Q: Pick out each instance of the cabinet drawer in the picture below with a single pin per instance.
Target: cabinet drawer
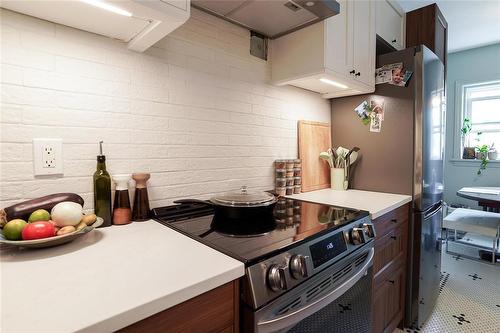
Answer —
(390, 246)
(391, 220)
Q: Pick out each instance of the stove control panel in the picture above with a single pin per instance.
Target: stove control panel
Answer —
(270, 278)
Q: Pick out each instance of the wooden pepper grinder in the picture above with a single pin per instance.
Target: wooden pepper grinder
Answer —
(141, 201)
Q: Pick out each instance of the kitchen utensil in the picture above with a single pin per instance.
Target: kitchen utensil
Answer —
(239, 205)
(52, 241)
(354, 157)
(122, 214)
(141, 210)
(348, 166)
(327, 157)
(314, 138)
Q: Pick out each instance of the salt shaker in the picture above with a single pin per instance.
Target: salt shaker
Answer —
(141, 200)
(121, 209)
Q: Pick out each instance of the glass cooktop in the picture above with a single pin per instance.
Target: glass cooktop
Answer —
(291, 222)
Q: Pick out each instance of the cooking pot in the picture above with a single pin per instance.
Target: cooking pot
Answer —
(239, 205)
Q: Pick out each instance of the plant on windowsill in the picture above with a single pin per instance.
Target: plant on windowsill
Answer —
(469, 153)
(482, 154)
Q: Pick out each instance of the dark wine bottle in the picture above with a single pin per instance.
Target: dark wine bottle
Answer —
(102, 190)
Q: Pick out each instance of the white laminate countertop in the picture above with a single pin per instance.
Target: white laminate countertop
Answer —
(377, 203)
(107, 279)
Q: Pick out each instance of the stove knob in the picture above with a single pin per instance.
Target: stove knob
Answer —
(276, 278)
(369, 230)
(298, 266)
(357, 236)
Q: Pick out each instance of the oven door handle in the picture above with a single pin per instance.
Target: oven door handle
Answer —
(290, 319)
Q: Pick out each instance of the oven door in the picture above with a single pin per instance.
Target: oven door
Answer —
(336, 300)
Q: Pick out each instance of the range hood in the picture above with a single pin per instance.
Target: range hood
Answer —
(271, 18)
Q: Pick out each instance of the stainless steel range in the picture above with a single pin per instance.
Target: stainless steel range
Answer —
(308, 266)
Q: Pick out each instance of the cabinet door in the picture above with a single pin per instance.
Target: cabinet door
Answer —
(390, 24)
(364, 41)
(395, 298)
(379, 312)
(338, 40)
(388, 300)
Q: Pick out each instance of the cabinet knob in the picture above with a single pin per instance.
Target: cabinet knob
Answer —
(357, 74)
(352, 72)
(394, 41)
(391, 281)
(394, 220)
(393, 237)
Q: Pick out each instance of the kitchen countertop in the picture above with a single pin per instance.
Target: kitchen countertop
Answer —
(377, 203)
(107, 279)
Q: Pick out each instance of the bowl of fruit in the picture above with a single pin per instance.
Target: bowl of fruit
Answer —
(48, 221)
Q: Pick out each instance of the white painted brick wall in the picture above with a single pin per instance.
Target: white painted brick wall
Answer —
(196, 110)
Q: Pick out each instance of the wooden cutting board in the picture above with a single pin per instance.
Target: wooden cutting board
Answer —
(314, 137)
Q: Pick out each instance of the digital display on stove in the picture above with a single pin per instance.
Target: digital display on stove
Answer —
(327, 249)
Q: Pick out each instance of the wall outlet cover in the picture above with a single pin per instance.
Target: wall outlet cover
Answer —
(47, 157)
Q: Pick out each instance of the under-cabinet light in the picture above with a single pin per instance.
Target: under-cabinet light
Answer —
(333, 83)
(108, 7)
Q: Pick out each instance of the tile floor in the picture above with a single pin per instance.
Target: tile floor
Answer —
(469, 300)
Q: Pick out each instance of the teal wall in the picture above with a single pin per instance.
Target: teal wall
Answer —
(479, 64)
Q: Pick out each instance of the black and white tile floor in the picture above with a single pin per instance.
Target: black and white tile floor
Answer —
(469, 299)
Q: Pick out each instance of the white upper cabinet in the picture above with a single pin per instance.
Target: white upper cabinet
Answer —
(391, 23)
(335, 57)
(139, 23)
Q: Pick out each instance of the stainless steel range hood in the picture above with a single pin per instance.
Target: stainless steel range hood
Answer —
(271, 18)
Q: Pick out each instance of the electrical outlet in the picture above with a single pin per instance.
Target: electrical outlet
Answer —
(47, 157)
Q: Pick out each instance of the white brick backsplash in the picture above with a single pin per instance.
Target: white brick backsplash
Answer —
(196, 110)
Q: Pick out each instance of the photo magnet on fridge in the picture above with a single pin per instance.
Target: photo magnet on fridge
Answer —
(376, 123)
(361, 110)
(377, 106)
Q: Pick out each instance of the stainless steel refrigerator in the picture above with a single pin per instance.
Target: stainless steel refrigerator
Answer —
(405, 157)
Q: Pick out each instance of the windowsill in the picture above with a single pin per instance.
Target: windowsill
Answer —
(462, 162)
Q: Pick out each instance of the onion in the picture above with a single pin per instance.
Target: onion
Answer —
(67, 213)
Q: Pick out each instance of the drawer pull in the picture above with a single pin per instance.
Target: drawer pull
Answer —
(393, 237)
(394, 220)
(391, 281)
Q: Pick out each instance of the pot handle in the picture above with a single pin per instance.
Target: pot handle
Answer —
(193, 201)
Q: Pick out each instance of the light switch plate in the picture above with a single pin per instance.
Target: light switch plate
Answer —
(47, 157)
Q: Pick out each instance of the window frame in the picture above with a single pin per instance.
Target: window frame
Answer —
(460, 113)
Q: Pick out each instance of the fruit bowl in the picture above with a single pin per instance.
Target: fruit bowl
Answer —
(52, 241)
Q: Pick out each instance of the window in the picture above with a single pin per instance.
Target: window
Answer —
(481, 105)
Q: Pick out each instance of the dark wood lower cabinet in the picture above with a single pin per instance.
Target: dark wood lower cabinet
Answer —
(389, 267)
(388, 301)
(216, 311)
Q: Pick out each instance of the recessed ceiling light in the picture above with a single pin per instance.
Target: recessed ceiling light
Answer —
(309, 4)
(333, 83)
(108, 7)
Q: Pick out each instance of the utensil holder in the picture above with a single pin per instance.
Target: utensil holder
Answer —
(337, 177)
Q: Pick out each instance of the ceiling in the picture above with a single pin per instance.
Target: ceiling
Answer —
(471, 23)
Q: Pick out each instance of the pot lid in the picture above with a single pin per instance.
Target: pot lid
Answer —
(244, 198)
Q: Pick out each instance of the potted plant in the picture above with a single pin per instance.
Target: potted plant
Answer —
(482, 154)
(469, 153)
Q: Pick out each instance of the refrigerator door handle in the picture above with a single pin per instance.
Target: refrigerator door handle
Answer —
(433, 211)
